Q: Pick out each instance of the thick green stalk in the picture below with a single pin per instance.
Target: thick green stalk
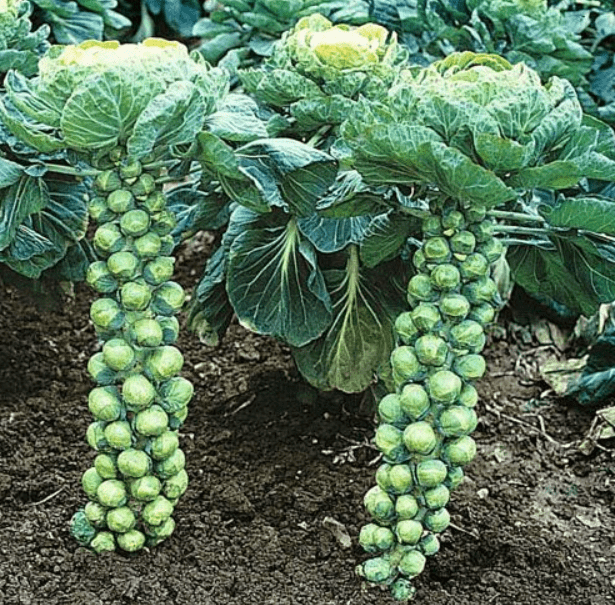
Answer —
(426, 421)
(140, 401)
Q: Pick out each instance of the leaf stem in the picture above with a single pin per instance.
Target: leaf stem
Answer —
(72, 171)
(516, 216)
(515, 229)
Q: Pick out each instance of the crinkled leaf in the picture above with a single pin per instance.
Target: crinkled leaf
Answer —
(27, 132)
(586, 213)
(502, 155)
(279, 87)
(579, 273)
(315, 113)
(275, 284)
(559, 174)
(237, 120)
(173, 117)
(384, 237)
(333, 234)
(10, 172)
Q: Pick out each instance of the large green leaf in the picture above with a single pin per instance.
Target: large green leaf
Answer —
(333, 234)
(172, 117)
(385, 236)
(237, 120)
(579, 272)
(587, 213)
(10, 172)
(360, 338)
(275, 285)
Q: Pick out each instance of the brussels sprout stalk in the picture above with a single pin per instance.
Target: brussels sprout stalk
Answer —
(426, 421)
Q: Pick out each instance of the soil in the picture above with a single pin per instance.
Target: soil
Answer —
(278, 473)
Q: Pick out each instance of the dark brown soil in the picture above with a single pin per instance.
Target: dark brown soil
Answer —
(278, 474)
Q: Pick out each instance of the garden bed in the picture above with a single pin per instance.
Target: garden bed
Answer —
(277, 477)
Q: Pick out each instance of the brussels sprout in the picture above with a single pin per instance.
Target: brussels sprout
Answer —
(119, 435)
(412, 563)
(123, 265)
(400, 478)
(405, 328)
(95, 514)
(145, 488)
(420, 438)
(91, 481)
(436, 250)
(377, 570)
(474, 266)
(135, 296)
(134, 223)
(99, 371)
(108, 239)
(445, 277)
(108, 180)
(414, 401)
(426, 317)
(103, 542)
(483, 290)
(390, 412)
(158, 271)
(105, 466)
(492, 249)
(406, 507)
(405, 365)
(98, 210)
(389, 440)
(379, 505)
(470, 367)
(374, 538)
(475, 214)
(147, 246)
(437, 520)
(146, 332)
(431, 350)
(483, 231)
(143, 186)
(408, 531)
(138, 392)
(176, 419)
(437, 497)
(429, 545)
(104, 403)
(170, 328)
(175, 394)
(175, 485)
(468, 334)
(164, 362)
(402, 590)
(155, 202)
(157, 511)
(167, 245)
(454, 477)
(131, 169)
(463, 242)
(444, 386)
(118, 354)
(453, 220)
(131, 541)
(134, 463)
(111, 493)
(100, 278)
(121, 519)
(460, 451)
(120, 200)
(163, 222)
(105, 313)
(172, 465)
(419, 260)
(151, 422)
(432, 226)
(468, 396)
(457, 420)
(168, 298)
(382, 476)
(454, 306)
(484, 313)
(95, 436)
(430, 473)
(161, 532)
(421, 289)
(164, 445)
